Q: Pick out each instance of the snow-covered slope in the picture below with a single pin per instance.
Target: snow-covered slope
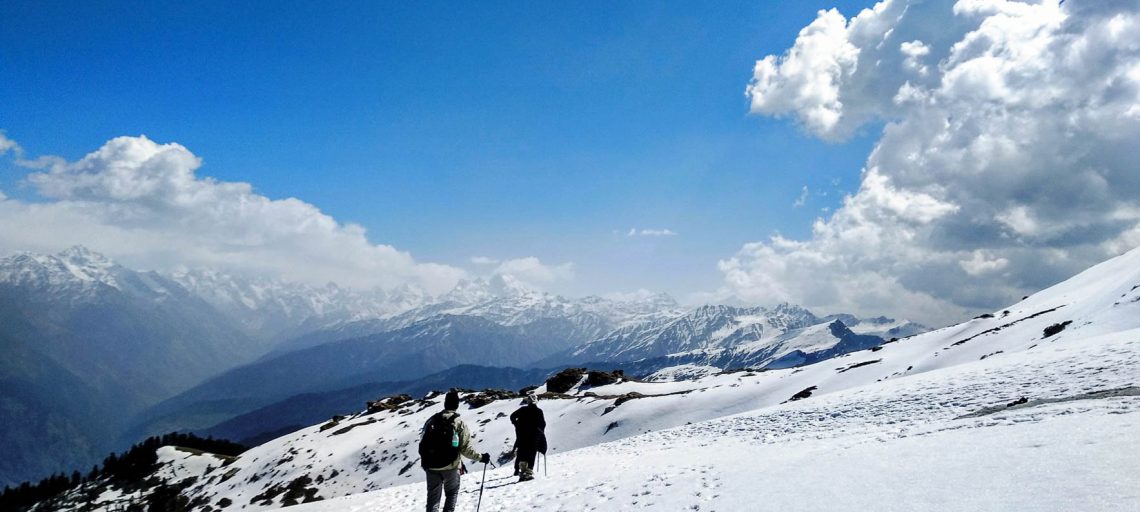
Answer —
(894, 446)
(1030, 408)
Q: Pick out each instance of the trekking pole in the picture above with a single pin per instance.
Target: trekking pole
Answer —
(480, 502)
(481, 482)
(544, 465)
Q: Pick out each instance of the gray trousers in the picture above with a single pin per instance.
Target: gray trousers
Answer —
(446, 481)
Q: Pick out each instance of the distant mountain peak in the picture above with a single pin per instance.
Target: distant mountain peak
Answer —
(478, 290)
(77, 269)
(81, 254)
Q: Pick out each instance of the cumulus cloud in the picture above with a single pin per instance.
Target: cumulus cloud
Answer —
(650, 232)
(142, 202)
(534, 272)
(806, 80)
(1005, 162)
(483, 260)
(826, 78)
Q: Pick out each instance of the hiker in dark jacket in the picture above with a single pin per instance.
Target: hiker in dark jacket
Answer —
(444, 475)
(530, 436)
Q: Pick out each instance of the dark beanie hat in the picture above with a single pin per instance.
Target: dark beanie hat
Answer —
(451, 401)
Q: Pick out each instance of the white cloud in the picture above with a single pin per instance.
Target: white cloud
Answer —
(915, 51)
(802, 200)
(806, 80)
(982, 262)
(534, 272)
(826, 77)
(483, 260)
(1004, 167)
(1020, 220)
(142, 203)
(914, 206)
(7, 144)
(650, 232)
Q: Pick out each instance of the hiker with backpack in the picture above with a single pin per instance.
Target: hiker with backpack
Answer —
(530, 436)
(445, 439)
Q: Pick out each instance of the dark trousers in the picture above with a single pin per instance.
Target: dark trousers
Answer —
(525, 454)
(446, 482)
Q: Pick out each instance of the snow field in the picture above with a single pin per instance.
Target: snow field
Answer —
(1052, 459)
(893, 445)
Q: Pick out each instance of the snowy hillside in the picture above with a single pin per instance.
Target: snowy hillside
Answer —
(1034, 407)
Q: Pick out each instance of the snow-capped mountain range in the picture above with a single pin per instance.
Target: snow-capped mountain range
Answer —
(505, 301)
(711, 338)
(611, 330)
(78, 274)
(704, 328)
(1032, 407)
(523, 329)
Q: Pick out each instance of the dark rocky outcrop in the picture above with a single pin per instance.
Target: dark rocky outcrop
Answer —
(565, 380)
(1056, 328)
(390, 403)
(487, 396)
(802, 394)
(599, 378)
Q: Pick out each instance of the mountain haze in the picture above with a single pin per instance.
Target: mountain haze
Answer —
(89, 342)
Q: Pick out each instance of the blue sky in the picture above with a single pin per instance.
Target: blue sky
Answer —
(452, 130)
(538, 135)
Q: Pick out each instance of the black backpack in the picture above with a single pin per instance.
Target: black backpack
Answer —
(435, 446)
